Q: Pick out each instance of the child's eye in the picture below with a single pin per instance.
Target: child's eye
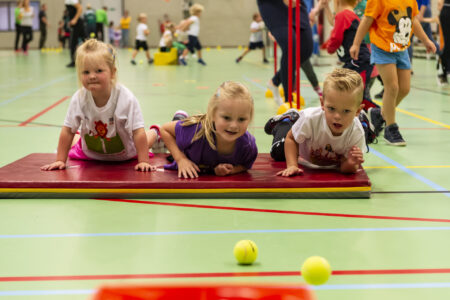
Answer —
(346, 111)
(330, 108)
(226, 118)
(99, 70)
(242, 119)
(85, 72)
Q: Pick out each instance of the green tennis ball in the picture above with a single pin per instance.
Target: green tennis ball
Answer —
(245, 252)
(316, 270)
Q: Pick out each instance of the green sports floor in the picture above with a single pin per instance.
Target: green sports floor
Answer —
(394, 245)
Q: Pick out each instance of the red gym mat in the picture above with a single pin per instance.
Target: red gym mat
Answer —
(207, 292)
(93, 179)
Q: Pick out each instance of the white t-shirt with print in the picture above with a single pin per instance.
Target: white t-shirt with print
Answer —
(194, 28)
(256, 36)
(167, 34)
(106, 132)
(140, 32)
(318, 147)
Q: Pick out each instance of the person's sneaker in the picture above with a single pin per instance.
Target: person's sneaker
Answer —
(180, 115)
(71, 65)
(238, 59)
(369, 132)
(376, 119)
(442, 79)
(265, 61)
(201, 61)
(158, 146)
(275, 92)
(133, 62)
(392, 136)
(182, 61)
(150, 61)
(379, 95)
(291, 114)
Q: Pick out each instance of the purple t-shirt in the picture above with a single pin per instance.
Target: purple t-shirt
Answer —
(205, 157)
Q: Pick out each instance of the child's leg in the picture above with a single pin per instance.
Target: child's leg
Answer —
(152, 137)
(404, 84)
(199, 53)
(388, 73)
(133, 56)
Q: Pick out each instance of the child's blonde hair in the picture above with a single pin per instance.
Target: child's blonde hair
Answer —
(229, 90)
(195, 9)
(93, 51)
(141, 16)
(349, 2)
(345, 80)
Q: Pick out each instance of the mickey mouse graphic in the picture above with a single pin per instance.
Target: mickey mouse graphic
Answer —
(403, 24)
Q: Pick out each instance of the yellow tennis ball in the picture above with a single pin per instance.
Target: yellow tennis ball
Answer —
(245, 252)
(316, 270)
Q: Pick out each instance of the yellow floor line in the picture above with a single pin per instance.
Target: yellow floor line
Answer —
(418, 116)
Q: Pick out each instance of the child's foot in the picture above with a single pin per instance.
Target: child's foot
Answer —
(379, 95)
(133, 62)
(291, 115)
(238, 59)
(376, 119)
(201, 61)
(392, 136)
(275, 92)
(265, 61)
(180, 115)
(182, 61)
(442, 79)
(158, 146)
(150, 61)
(318, 90)
(369, 132)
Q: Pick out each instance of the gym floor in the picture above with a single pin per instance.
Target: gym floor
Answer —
(392, 246)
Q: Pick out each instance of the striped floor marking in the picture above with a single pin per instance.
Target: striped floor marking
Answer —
(206, 232)
(276, 211)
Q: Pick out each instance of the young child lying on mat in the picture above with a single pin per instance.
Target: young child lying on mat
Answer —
(329, 136)
(216, 142)
(107, 114)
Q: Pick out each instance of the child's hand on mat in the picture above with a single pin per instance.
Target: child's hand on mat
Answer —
(355, 156)
(57, 165)
(144, 167)
(290, 171)
(223, 169)
(187, 169)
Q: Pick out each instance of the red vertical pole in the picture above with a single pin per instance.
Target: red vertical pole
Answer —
(275, 46)
(289, 91)
(297, 51)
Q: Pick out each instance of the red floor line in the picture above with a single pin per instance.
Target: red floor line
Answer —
(24, 123)
(282, 211)
(217, 275)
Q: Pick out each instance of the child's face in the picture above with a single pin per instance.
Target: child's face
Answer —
(96, 76)
(231, 119)
(340, 109)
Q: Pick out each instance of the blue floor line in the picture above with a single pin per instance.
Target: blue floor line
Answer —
(28, 92)
(167, 233)
(428, 182)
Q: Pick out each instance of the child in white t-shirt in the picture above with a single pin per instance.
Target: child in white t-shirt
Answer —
(168, 41)
(104, 120)
(256, 38)
(142, 32)
(192, 28)
(329, 136)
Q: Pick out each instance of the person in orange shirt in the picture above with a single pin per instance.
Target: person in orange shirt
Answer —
(391, 24)
(125, 27)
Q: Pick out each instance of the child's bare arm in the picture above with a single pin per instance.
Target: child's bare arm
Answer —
(291, 153)
(363, 28)
(418, 30)
(64, 144)
(140, 142)
(186, 168)
(354, 159)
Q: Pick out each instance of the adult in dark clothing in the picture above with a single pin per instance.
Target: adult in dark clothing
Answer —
(43, 25)
(275, 16)
(76, 27)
